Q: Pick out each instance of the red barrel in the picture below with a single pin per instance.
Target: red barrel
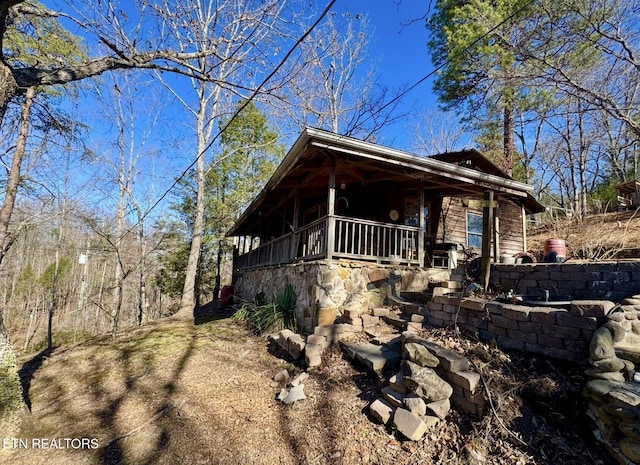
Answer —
(226, 296)
(555, 245)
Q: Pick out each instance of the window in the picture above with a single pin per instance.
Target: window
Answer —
(474, 230)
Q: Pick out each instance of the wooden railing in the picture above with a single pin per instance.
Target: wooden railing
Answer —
(371, 240)
(353, 238)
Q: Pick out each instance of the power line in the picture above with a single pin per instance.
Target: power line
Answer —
(446, 62)
(246, 102)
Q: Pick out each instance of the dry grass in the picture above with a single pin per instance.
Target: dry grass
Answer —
(174, 392)
(600, 237)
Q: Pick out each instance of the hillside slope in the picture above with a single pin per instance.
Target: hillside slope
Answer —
(174, 392)
(599, 237)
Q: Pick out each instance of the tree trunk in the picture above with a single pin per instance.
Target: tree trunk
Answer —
(12, 403)
(509, 146)
(188, 300)
(8, 85)
(13, 181)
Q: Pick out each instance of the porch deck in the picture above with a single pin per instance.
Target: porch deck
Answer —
(354, 238)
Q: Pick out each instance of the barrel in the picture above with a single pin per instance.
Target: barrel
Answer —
(555, 245)
(226, 296)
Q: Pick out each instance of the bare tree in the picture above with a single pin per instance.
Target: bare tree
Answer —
(438, 132)
(333, 84)
(243, 42)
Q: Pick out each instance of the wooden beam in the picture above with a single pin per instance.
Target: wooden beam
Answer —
(421, 224)
(487, 233)
(331, 210)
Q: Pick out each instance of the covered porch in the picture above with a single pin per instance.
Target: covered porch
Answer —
(335, 198)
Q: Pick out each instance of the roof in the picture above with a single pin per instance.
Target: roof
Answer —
(307, 162)
(628, 187)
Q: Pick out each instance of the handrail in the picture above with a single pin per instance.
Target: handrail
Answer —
(356, 238)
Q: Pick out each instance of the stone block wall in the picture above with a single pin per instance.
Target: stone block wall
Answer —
(610, 280)
(333, 286)
(555, 332)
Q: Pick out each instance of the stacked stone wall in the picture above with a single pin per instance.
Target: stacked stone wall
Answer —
(610, 280)
(555, 332)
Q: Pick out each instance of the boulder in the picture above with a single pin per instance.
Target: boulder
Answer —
(424, 382)
(419, 354)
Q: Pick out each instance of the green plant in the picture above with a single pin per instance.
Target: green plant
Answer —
(263, 316)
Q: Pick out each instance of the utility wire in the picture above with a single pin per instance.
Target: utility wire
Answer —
(281, 64)
(246, 102)
(446, 62)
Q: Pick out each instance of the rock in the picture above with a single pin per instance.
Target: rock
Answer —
(600, 387)
(295, 394)
(381, 411)
(393, 397)
(409, 424)
(284, 392)
(415, 405)
(424, 382)
(419, 354)
(299, 378)
(440, 408)
(617, 377)
(631, 449)
(608, 364)
(601, 346)
(631, 430)
(396, 382)
(281, 377)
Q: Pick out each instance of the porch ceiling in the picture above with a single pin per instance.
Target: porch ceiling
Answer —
(307, 166)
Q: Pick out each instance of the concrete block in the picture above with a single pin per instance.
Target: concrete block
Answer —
(393, 397)
(381, 411)
(409, 424)
(467, 380)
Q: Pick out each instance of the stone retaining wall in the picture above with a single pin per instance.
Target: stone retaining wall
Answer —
(610, 280)
(334, 286)
(555, 332)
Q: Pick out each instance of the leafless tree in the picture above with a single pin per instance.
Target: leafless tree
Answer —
(333, 83)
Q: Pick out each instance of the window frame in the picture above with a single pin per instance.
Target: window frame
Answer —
(474, 234)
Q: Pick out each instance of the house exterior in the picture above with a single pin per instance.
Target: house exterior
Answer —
(340, 216)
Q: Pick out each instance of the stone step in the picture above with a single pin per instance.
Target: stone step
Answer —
(397, 321)
(375, 357)
(403, 304)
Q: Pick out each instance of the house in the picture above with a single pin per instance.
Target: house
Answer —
(341, 216)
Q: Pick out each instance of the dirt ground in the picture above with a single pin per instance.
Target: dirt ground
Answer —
(177, 392)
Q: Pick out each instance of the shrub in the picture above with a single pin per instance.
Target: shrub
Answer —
(264, 316)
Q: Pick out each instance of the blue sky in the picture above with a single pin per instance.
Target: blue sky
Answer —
(399, 42)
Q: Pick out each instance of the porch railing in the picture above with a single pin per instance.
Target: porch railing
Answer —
(353, 238)
(371, 240)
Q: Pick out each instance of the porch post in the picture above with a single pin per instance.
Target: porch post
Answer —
(524, 229)
(487, 233)
(294, 225)
(331, 203)
(421, 224)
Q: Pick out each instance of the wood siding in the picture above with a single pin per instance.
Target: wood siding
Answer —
(452, 226)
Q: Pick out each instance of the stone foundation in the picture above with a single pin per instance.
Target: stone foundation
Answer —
(324, 288)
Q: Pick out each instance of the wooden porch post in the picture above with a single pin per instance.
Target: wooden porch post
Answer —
(487, 234)
(421, 224)
(331, 203)
(294, 225)
(524, 229)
